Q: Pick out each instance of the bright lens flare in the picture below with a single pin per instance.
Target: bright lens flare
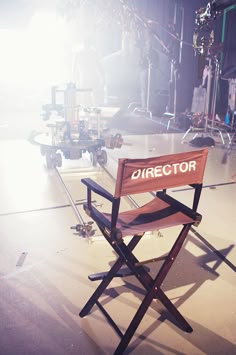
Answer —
(34, 57)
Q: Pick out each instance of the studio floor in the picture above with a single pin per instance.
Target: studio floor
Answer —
(45, 264)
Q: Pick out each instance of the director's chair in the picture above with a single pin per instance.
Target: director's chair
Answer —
(135, 176)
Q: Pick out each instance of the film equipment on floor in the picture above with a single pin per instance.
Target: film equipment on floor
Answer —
(72, 129)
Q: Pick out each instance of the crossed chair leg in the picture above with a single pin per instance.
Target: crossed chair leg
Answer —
(151, 285)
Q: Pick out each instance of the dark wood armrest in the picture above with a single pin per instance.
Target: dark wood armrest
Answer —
(93, 186)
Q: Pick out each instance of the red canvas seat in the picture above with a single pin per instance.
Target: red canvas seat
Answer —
(154, 176)
(156, 214)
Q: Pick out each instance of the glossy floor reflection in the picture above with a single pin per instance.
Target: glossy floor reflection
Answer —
(45, 265)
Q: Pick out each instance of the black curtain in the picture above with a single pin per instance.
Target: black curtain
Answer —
(229, 52)
(165, 12)
(160, 14)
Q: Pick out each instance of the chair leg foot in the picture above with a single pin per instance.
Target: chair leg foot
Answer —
(83, 313)
(188, 329)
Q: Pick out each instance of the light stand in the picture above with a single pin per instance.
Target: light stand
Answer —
(210, 102)
(174, 68)
(146, 109)
(211, 111)
(145, 26)
(148, 86)
(180, 58)
(173, 80)
(206, 105)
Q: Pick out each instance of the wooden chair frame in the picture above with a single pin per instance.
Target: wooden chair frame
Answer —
(173, 213)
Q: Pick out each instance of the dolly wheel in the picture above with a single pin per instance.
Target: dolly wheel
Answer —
(58, 160)
(118, 140)
(102, 158)
(93, 158)
(53, 159)
(50, 161)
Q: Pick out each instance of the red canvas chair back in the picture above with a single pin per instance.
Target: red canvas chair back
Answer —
(153, 174)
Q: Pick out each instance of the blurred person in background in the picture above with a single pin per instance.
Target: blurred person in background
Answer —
(122, 72)
(88, 74)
